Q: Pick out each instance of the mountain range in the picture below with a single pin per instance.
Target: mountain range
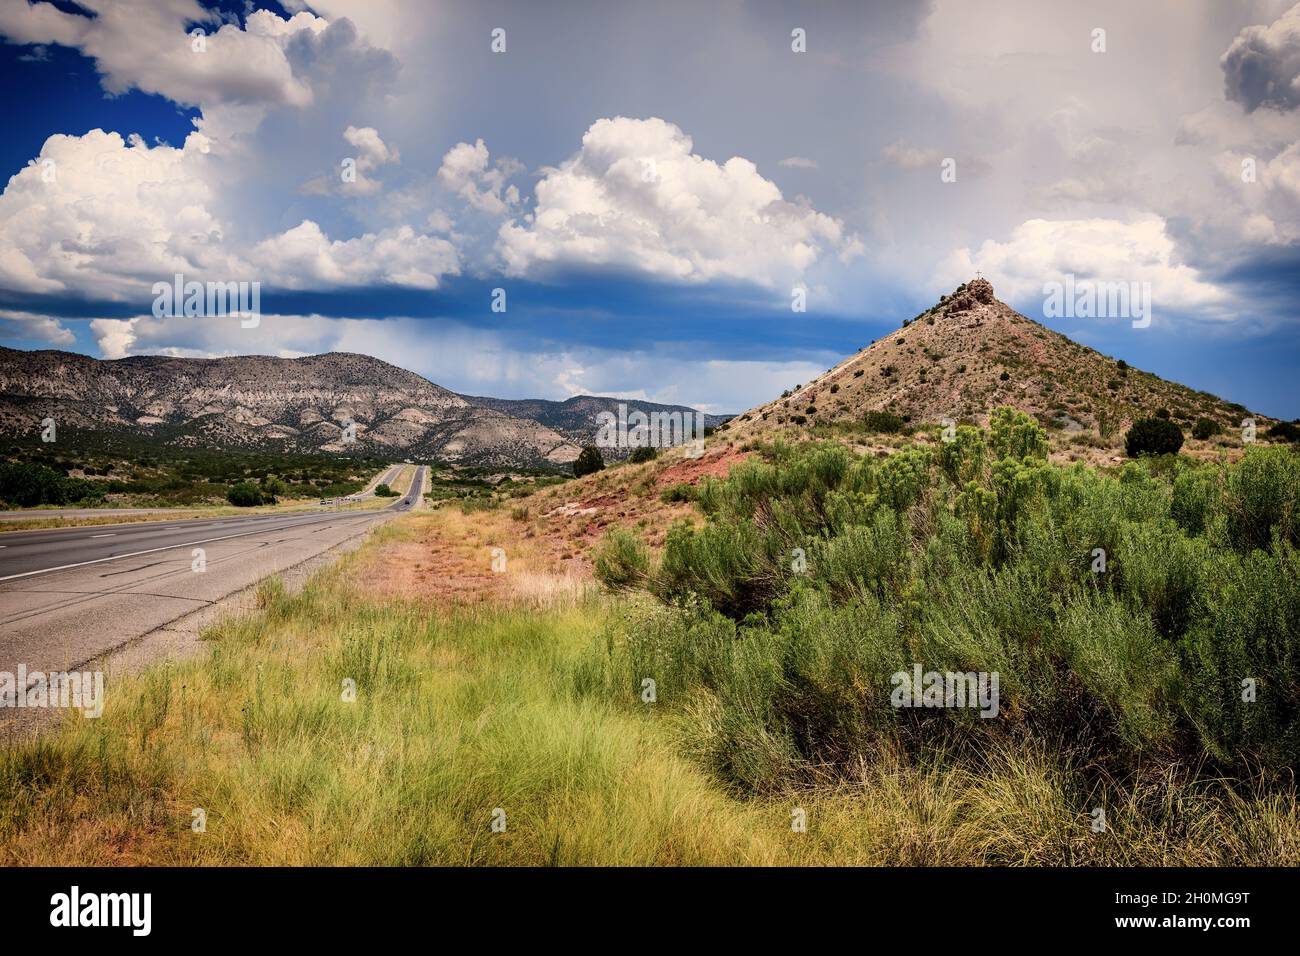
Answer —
(292, 404)
(576, 418)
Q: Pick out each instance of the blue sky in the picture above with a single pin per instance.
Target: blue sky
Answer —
(648, 183)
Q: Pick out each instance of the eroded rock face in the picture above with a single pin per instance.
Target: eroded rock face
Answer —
(981, 290)
(254, 402)
(977, 292)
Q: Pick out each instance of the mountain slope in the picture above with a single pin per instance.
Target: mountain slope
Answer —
(970, 353)
(259, 402)
(576, 418)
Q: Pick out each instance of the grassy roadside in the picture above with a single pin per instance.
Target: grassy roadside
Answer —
(519, 704)
(456, 714)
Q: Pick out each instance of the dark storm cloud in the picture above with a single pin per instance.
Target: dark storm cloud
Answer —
(1262, 66)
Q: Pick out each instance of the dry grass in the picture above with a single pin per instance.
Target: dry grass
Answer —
(457, 714)
(446, 558)
(465, 707)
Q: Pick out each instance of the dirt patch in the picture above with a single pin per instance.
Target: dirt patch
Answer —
(571, 519)
(434, 567)
(714, 464)
(546, 540)
(447, 557)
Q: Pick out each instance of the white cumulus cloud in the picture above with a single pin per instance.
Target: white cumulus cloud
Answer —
(31, 327)
(1102, 250)
(145, 45)
(99, 216)
(465, 170)
(305, 258)
(95, 212)
(1262, 65)
(637, 197)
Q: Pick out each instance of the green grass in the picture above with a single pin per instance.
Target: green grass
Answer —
(459, 714)
(455, 715)
(776, 707)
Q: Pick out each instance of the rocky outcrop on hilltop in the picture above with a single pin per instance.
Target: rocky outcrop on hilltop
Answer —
(971, 352)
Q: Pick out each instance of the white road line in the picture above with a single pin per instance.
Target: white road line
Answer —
(104, 535)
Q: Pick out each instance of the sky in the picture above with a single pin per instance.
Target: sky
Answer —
(644, 191)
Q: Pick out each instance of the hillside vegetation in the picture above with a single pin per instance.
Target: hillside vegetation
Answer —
(1128, 615)
(140, 475)
(970, 353)
(340, 403)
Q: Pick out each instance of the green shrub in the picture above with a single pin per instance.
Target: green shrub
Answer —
(588, 462)
(1124, 668)
(682, 491)
(383, 491)
(622, 561)
(1244, 643)
(1261, 498)
(1284, 431)
(645, 453)
(903, 476)
(1195, 492)
(1153, 436)
(1206, 428)
(729, 565)
(1159, 568)
(883, 422)
(1013, 434)
(780, 670)
(866, 560)
(963, 459)
(244, 495)
(26, 485)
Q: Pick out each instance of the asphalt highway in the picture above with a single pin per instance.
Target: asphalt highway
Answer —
(69, 596)
(26, 553)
